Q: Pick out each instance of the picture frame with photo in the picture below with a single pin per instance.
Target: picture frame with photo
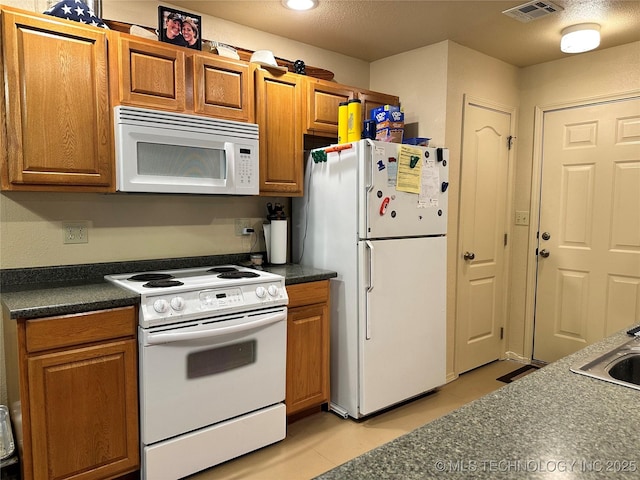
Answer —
(179, 28)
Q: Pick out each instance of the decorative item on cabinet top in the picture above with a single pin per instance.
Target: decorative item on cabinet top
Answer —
(77, 11)
(179, 28)
(242, 53)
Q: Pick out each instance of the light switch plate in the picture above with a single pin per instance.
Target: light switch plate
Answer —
(522, 218)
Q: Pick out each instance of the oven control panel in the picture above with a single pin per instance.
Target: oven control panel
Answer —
(188, 305)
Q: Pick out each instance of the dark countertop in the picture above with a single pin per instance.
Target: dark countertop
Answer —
(552, 423)
(44, 292)
(295, 273)
(52, 300)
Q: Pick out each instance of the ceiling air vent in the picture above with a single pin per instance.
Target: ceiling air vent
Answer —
(532, 11)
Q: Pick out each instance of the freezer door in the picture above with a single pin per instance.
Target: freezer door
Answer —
(402, 322)
(403, 190)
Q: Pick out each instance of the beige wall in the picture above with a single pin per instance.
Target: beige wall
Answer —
(477, 75)
(581, 77)
(419, 78)
(431, 82)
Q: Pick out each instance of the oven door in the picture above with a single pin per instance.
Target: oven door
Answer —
(196, 374)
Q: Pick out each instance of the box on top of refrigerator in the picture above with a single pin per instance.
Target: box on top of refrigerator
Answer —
(389, 123)
(387, 113)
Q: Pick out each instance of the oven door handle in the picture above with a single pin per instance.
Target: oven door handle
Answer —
(158, 338)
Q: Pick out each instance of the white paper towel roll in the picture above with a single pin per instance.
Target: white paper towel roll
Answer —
(278, 242)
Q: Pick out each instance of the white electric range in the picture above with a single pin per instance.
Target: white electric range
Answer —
(212, 361)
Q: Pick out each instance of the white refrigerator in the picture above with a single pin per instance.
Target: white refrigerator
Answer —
(376, 213)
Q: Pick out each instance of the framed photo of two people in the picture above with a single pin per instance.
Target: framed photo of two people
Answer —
(179, 28)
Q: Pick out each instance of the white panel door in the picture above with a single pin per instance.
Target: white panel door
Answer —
(481, 303)
(588, 282)
(402, 320)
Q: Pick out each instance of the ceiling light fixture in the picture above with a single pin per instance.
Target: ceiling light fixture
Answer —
(300, 5)
(580, 38)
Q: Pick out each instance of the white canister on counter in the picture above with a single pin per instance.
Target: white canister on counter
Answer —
(278, 234)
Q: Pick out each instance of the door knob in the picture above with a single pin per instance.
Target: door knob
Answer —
(469, 255)
(544, 253)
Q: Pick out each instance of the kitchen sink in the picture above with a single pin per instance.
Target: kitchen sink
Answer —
(620, 365)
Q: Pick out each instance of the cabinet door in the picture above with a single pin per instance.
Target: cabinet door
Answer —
(222, 88)
(322, 100)
(148, 74)
(59, 132)
(371, 100)
(307, 357)
(279, 114)
(84, 412)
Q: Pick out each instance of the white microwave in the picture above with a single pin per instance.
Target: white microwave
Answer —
(166, 152)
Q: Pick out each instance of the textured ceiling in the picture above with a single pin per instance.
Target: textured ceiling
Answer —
(374, 29)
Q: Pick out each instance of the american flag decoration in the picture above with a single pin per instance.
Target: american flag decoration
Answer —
(77, 11)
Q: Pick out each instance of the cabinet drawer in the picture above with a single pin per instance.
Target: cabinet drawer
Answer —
(308, 293)
(68, 330)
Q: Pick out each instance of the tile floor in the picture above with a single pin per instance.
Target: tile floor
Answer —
(323, 441)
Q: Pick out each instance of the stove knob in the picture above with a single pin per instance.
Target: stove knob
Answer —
(161, 305)
(261, 292)
(273, 290)
(177, 303)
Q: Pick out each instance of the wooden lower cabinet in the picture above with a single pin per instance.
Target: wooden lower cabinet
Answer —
(307, 346)
(79, 395)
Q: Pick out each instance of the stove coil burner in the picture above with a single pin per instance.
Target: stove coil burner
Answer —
(163, 283)
(238, 274)
(149, 277)
(222, 269)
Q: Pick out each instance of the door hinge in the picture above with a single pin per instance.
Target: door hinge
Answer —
(510, 140)
(501, 333)
(506, 236)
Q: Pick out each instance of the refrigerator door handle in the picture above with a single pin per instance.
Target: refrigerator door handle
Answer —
(369, 290)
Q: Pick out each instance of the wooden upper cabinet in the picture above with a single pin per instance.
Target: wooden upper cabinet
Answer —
(222, 88)
(147, 73)
(371, 100)
(322, 101)
(58, 120)
(152, 74)
(279, 107)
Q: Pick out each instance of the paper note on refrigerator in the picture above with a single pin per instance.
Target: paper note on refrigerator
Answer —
(430, 181)
(409, 170)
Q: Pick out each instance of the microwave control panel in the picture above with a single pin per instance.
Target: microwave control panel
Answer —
(247, 168)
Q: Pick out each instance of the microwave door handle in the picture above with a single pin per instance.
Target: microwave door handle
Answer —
(159, 338)
(229, 153)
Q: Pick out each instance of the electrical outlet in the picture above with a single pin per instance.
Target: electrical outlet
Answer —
(522, 218)
(75, 232)
(241, 224)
